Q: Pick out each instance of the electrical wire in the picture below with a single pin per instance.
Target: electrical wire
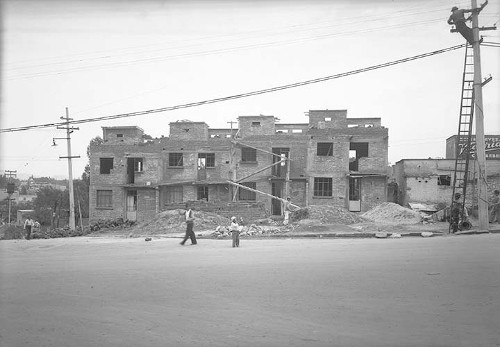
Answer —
(236, 96)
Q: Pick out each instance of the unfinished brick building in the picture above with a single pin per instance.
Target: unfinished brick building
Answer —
(331, 160)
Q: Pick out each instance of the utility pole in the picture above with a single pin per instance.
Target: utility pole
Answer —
(69, 130)
(10, 186)
(479, 119)
(232, 163)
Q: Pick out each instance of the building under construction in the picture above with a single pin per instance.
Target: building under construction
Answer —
(330, 160)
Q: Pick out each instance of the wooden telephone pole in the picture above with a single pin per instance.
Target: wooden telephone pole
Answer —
(479, 120)
(69, 130)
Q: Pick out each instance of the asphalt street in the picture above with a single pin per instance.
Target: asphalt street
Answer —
(438, 291)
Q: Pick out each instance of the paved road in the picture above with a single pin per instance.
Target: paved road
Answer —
(279, 292)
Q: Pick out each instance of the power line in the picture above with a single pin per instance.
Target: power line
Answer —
(115, 64)
(236, 96)
(345, 21)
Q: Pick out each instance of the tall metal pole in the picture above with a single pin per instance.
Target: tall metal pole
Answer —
(479, 119)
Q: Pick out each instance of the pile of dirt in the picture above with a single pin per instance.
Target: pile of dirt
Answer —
(326, 215)
(172, 221)
(389, 212)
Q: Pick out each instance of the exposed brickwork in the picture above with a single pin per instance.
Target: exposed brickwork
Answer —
(167, 171)
(417, 180)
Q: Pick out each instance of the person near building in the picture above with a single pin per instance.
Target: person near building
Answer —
(495, 207)
(189, 218)
(455, 210)
(235, 229)
(28, 225)
(287, 208)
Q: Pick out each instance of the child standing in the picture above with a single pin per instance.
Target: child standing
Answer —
(235, 232)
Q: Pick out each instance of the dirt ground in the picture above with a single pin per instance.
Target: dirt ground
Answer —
(441, 291)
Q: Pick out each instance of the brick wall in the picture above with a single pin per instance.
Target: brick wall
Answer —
(185, 131)
(248, 125)
(318, 119)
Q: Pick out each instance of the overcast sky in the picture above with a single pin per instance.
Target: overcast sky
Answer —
(101, 58)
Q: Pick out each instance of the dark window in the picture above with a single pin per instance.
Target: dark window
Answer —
(206, 160)
(175, 159)
(119, 135)
(106, 164)
(325, 149)
(203, 193)
(173, 194)
(104, 198)
(322, 186)
(248, 154)
(245, 194)
(444, 180)
(256, 124)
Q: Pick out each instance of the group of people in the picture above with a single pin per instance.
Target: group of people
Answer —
(235, 228)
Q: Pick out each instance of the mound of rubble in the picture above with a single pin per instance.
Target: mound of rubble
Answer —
(172, 221)
(250, 230)
(389, 212)
(322, 214)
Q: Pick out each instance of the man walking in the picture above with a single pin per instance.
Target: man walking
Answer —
(189, 226)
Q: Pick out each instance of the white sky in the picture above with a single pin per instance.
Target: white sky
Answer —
(101, 58)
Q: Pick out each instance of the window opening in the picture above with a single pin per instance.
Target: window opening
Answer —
(173, 194)
(203, 193)
(138, 165)
(357, 150)
(444, 180)
(104, 198)
(325, 149)
(247, 195)
(105, 165)
(206, 160)
(175, 159)
(322, 186)
(248, 154)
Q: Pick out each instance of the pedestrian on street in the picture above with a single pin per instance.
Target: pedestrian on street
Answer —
(28, 224)
(235, 229)
(189, 218)
(495, 207)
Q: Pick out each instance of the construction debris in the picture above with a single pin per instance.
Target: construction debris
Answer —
(389, 212)
(323, 214)
(174, 221)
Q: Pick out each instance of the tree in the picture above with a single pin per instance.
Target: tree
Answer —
(48, 201)
(94, 142)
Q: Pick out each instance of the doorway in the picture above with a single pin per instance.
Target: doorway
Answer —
(132, 205)
(276, 190)
(355, 194)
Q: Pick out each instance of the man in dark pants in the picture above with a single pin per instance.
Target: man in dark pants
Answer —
(458, 18)
(28, 224)
(455, 211)
(189, 226)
